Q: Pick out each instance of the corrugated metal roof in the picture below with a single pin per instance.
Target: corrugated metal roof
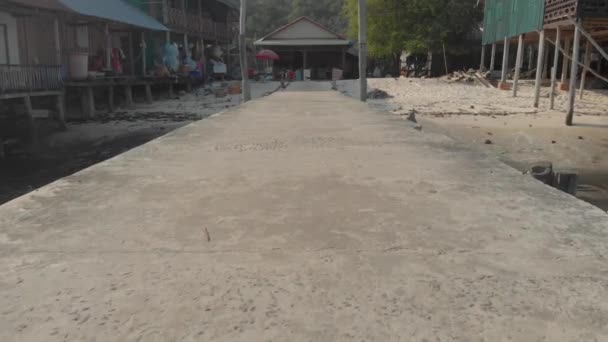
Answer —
(114, 10)
(303, 42)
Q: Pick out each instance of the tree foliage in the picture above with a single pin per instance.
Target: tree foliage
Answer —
(264, 16)
(417, 26)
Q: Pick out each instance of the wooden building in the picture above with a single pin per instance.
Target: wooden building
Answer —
(555, 31)
(307, 45)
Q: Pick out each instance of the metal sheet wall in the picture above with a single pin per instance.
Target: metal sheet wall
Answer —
(510, 18)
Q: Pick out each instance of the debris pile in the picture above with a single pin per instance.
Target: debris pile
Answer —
(378, 94)
(462, 76)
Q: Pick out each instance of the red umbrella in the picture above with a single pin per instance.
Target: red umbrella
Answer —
(267, 55)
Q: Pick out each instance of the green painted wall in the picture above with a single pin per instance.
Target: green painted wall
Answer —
(510, 18)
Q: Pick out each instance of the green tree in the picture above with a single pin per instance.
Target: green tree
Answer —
(416, 26)
(264, 16)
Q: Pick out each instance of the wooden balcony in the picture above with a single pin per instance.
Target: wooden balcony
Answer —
(180, 21)
(29, 78)
(560, 10)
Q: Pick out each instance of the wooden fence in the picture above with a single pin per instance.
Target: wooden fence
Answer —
(24, 78)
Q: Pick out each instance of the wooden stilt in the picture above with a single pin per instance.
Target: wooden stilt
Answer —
(482, 66)
(110, 99)
(564, 76)
(171, 95)
(587, 65)
(61, 111)
(539, 68)
(148, 93)
(505, 61)
(546, 63)
(573, 74)
(518, 63)
(558, 34)
(530, 57)
(493, 58)
(128, 96)
(29, 112)
(90, 113)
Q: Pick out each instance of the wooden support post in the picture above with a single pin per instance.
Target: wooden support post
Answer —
(564, 76)
(530, 57)
(539, 68)
(144, 67)
(29, 112)
(186, 49)
(108, 40)
(148, 93)
(131, 55)
(90, 103)
(546, 63)
(518, 63)
(573, 75)
(482, 65)
(61, 111)
(505, 61)
(304, 59)
(504, 85)
(343, 66)
(171, 95)
(110, 99)
(587, 65)
(493, 58)
(188, 86)
(128, 96)
(57, 41)
(558, 34)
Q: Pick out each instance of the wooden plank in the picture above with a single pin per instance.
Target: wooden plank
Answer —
(30, 94)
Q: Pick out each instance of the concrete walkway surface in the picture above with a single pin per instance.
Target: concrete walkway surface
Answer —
(303, 216)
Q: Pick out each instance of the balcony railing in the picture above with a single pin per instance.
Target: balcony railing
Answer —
(22, 78)
(197, 25)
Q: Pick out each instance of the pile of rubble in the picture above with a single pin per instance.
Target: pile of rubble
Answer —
(462, 76)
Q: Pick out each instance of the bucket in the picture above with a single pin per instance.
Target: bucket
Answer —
(79, 66)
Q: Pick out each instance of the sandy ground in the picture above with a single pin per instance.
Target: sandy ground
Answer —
(303, 216)
(508, 127)
(83, 144)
